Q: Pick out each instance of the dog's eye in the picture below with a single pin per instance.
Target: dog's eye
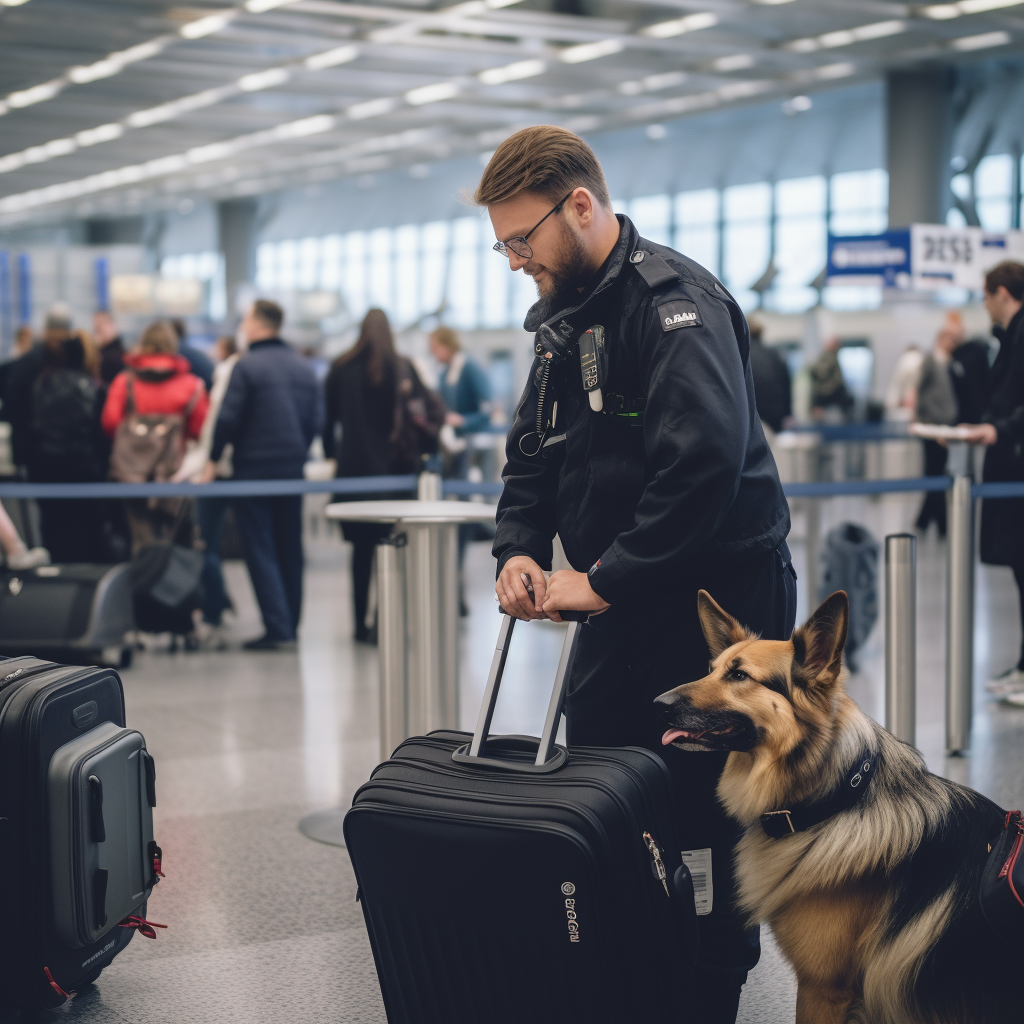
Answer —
(737, 675)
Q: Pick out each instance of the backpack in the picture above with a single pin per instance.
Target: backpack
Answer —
(149, 447)
(419, 417)
(64, 415)
(849, 562)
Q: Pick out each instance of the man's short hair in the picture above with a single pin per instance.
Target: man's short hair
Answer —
(1008, 274)
(447, 338)
(545, 160)
(269, 312)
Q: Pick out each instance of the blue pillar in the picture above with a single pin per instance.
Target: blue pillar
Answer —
(102, 283)
(6, 327)
(24, 289)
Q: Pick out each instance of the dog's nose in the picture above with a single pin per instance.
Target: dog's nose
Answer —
(667, 701)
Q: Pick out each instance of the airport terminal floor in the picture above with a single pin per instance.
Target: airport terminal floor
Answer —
(263, 922)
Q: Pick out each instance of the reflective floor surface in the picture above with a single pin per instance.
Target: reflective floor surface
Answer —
(263, 923)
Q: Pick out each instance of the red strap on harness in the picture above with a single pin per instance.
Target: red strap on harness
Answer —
(158, 863)
(145, 927)
(56, 988)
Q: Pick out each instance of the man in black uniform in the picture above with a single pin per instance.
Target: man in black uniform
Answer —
(637, 441)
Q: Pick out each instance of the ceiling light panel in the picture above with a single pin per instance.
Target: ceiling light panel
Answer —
(982, 41)
(847, 36)
(331, 58)
(679, 26)
(512, 72)
(263, 79)
(590, 51)
(432, 93)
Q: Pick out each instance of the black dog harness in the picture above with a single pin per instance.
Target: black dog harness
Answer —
(799, 817)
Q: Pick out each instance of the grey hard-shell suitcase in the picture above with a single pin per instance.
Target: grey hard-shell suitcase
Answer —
(75, 613)
(102, 791)
(76, 836)
(506, 880)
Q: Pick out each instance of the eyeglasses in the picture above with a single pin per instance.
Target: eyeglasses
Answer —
(519, 245)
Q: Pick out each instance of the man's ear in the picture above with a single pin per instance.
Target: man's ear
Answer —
(721, 630)
(818, 644)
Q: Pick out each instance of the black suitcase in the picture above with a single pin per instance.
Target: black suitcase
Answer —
(77, 852)
(506, 880)
(76, 613)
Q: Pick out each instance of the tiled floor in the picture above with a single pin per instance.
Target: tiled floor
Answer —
(263, 923)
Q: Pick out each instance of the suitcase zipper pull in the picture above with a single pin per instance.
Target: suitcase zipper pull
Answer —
(658, 865)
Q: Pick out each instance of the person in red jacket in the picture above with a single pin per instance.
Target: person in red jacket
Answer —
(159, 384)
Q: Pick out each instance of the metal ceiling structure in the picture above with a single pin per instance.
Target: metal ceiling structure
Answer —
(116, 107)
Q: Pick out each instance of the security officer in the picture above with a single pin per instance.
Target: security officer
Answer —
(637, 441)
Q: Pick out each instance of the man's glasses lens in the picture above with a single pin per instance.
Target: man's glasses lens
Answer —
(517, 245)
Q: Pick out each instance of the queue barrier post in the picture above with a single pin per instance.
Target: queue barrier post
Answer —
(901, 635)
(960, 602)
(391, 626)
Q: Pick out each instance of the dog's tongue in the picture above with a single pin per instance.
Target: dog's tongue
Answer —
(670, 735)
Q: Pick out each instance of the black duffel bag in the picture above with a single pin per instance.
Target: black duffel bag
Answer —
(167, 588)
(1002, 881)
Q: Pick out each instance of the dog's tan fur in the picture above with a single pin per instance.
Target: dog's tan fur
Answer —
(828, 891)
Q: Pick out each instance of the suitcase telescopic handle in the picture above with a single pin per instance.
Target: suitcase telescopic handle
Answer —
(549, 757)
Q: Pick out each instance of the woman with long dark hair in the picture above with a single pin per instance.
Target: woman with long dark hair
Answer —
(361, 397)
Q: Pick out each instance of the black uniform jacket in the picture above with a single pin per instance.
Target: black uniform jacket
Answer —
(1002, 519)
(675, 474)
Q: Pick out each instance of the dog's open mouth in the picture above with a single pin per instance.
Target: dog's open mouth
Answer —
(692, 736)
(715, 732)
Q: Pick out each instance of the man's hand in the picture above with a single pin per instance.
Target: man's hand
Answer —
(981, 433)
(208, 474)
(570, 591)
(454, 419)
(512, 592)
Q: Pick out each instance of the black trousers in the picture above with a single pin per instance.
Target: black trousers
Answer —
(626, 657)
(933, 508)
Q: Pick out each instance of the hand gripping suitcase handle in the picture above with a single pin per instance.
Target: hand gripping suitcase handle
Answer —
(549, 757)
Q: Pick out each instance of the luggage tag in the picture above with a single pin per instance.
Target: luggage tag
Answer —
(592, 353)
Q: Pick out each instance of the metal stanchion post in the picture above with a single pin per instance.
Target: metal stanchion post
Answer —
(901, 635)
(812, 548)
(433, 595)
(960, 602)
(391, 644)
(428, 487)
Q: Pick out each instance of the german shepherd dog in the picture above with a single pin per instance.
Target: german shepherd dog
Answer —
(875, 904)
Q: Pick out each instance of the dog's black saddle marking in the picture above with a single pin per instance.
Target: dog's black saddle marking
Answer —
(799, 817)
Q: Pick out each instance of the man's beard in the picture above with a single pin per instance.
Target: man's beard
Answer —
(569, 272)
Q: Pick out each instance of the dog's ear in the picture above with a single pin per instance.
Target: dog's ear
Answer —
(721, 630)
(818, 644)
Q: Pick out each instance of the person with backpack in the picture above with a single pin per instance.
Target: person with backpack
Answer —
(381, 420)
(65, 444)
(271, 412)
(153, 407)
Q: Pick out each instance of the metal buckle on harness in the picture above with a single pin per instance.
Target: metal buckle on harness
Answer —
(789, 818)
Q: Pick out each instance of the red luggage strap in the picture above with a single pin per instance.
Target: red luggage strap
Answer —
(56, 988)
(145, 927)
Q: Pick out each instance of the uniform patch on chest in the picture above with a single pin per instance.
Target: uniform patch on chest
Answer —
(679, 313)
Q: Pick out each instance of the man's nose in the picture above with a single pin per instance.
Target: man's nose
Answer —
(515, 261)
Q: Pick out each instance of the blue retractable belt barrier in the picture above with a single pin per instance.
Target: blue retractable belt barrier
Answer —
(830, 489)
(217, 489)
(375, 485)
(999, 489)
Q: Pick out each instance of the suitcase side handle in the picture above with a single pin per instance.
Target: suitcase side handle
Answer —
(549, 757)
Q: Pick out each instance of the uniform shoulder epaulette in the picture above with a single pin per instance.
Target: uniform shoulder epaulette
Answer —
(652, 268)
